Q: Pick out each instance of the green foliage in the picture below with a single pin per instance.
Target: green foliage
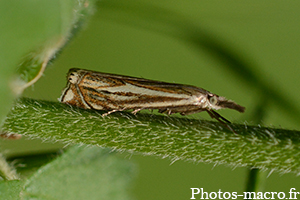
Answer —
(10, 190)
(37, 30)
(80, 173)
(32, 32)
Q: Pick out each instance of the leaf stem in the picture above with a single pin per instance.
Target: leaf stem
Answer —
(256, 180)
(178, 138)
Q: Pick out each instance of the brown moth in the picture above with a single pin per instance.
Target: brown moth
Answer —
(101, 91)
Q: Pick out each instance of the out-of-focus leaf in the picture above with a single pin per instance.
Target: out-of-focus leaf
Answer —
(31, 33)
(81, 173)
(10, 190)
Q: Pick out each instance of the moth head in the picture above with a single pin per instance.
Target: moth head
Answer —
(73, 76)
(217, 102)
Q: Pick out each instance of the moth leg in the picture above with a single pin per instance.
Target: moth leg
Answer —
(162, 110)
(191, 112)
(167, 111)
(222, 120)
(109, 112)
(217, 116)
(136, 110)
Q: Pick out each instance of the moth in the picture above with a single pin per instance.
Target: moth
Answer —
(102, 91)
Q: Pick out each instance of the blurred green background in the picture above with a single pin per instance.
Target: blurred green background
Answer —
(264, 33)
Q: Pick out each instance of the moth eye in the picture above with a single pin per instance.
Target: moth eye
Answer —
(213, 100)
(73, 78)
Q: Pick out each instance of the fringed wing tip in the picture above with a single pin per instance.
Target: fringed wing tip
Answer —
(239, 108)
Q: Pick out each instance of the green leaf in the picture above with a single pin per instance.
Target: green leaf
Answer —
(26, 165)
(69, 16)
(10, 190)
(81, 173)
(163, 136)
(31, 34)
